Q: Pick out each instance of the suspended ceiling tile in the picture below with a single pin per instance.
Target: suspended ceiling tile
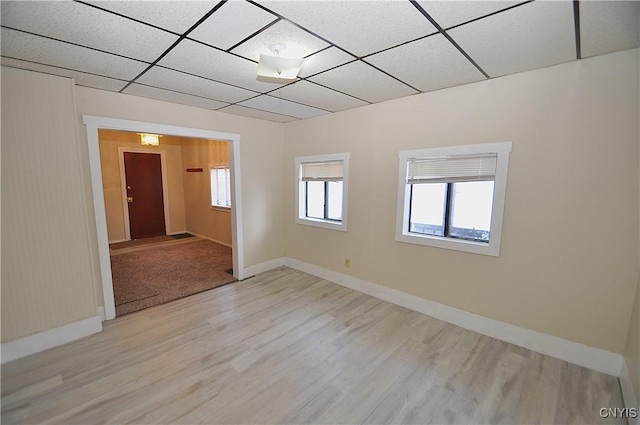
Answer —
(171, 96)
(298, 43)
(255, 113)
(363, 81)
(81, 78)
(450, 13)
(528, 37)
(324, 60)
(608, 26)
(186, 83)
(85, 25)
(232, 23)
(176, 16)
(208, 62)
(318, 96)
(42, 50)
(281, 106)
(360, 27)
(435, 63)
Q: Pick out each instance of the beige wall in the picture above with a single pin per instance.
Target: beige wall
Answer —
(261, 153)
(214, 223)
(110, 159)
(47, 276)
(569, 259)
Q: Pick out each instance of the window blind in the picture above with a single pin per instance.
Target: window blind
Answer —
(452, 169)
(322, 171)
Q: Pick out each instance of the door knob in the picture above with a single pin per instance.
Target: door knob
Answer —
(128, 187)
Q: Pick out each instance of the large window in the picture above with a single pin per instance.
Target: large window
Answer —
(321, 196)
(220, 187)
(453, 197)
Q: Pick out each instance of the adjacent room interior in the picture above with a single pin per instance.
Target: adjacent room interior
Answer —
(434, 212)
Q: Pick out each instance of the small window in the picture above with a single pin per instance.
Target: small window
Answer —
(220, 187)
(453, 197)
(321, 196)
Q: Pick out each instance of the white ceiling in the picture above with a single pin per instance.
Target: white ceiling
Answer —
(204, 53)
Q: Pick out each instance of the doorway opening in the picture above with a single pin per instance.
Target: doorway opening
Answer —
(94, 124)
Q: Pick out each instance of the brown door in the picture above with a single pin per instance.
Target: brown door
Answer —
(143, 174)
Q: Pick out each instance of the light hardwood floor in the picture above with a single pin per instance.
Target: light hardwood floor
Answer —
(287, 347)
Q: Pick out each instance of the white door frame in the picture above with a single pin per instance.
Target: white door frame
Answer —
(123, 184)
(93, 124)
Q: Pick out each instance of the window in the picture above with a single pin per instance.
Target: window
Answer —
(220, 187)
(453, 197)
(321, 195)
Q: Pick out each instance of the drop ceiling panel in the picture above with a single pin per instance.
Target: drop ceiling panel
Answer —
(208, 62)
(81, 78)
(609, 26)
(32, 48)
(363, 81)
(360, 27)
(85, 25)
(531, 36)
(255, 113)
(435, 64)
(171, 15)
(190, 84)
(298, 43)
(326, 59)
(281, 106)
(171, 96)
(317, 96)
(232, 23)
(450, 13)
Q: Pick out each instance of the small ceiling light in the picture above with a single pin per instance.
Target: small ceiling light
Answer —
(148, 139)
(275, 68)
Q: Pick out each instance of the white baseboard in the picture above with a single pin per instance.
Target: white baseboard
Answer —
(48, 339)
(118, 241)
(572, 352)
(208, 238)
(177, 233)
(263, 267)
(102, 313)
(628, 395)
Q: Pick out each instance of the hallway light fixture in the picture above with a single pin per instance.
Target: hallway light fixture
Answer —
(148, 139)
(276, 68)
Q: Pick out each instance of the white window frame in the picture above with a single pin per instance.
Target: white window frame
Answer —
(228, 170)
(502, 149)
(300, 203)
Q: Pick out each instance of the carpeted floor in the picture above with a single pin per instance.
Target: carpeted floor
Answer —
(158, 273)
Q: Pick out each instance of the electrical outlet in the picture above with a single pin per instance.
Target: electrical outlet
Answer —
(347, 262)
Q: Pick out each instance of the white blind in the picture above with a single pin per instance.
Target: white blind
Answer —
(324, 171)
(451, 169)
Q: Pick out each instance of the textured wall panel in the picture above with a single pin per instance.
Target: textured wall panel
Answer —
(47, 278)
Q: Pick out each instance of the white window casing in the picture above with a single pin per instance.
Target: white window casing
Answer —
(448, 165)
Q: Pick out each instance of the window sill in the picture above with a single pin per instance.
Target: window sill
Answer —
(325, 224)
(490, 248)
(220, 208)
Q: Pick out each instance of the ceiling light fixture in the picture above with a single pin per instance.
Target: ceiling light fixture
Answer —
(275, 68)
(148, 139)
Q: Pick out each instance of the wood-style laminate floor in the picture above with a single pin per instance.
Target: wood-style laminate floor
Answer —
(287, 347)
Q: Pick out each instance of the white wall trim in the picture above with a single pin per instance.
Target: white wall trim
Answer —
(48, 339)
(118, 241)
(208, 238)
(572, 352)
(628, 395)
(264, 266)
(93, 124)
(102, 313)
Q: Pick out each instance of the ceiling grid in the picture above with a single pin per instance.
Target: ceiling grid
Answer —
(205, 54)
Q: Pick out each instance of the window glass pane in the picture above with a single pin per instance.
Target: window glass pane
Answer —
(335, 201)
(220, 187)
(471, 206)
(427, 208)
(315, 199)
